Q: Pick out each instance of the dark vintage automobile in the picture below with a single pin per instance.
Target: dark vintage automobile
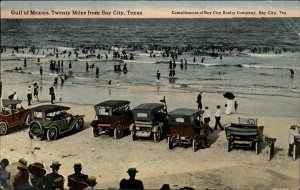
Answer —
(186, 127)
(149, 118)
(244, 134)
(51, 120)
(112, 116)
(12, 115)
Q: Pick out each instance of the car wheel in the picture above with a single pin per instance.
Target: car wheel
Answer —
(194, 146)
(294, 152)
(3, 128)
(52, 134)
(96, 131)
(228, 146)
(35, 129)
(133, 135)
(157, 135)
(118, 131)
(79, 125)
(170, 143)
(256, 147)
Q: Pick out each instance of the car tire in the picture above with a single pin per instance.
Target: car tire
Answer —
(257, 148)
(194, 146)
(157, 135)
(118, 131)
(294, 152)
(133, 135)
(170, 143)
(33, 126)
(52, 134)
(96, 131)
(79, 124)
(228, 146)
(3, 128)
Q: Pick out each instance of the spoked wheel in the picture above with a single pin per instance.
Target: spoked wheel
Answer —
(3, 128)
(269, 154)
(194, 146)
(256, 147)
(79, 125)
(52, 134)
(170, 143)
(118, 131)
(228, 146)
(96, 131)
(294, 152)
(133, 135)
(157, 135)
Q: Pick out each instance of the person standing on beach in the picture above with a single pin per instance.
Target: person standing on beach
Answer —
(36, 91)
(291, 73)
(52, 94)
(41, 70)
(25, 62)
(87, 66)
(53, 177)
(294, 131)
(158, 75)
(218, 118)
(29, 95)
(206, 116)
(4, 174)
(199, 100)
(235, 106)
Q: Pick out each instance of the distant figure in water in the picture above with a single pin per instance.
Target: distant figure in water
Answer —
(25, 62)
(87, 66)
(62, 81)
(291, 73)
(202, 59)
(194, 60)
(38, 59)
(97, 71)
(70, 67)
(158, 75)
(109, 82)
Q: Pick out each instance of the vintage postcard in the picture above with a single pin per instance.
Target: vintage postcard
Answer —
(150, 95)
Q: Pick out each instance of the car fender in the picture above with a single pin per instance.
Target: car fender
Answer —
(76, 118)
(94, 123)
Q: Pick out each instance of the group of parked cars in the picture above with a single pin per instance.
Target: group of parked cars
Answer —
(114, 117)
(181, 126)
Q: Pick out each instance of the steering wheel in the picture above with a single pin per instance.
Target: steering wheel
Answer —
(251, 121)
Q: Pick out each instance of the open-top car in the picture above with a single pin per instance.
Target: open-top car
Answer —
(186, 127)
(244, 134)
(51, 120)
(112, 116)
(12, 115)
(149, 118)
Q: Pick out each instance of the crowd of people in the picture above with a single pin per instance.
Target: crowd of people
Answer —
(34, 177)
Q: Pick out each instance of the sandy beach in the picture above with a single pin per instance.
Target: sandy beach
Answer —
(213, 168)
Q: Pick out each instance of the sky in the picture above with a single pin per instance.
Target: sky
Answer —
(148, 9)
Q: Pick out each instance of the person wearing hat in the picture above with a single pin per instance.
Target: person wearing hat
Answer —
(38, 175)
(4, 174)
(21, 178)
(218, 118)
(131, 183)
(54, 180)
(294, 132)
(206, 116)
(77, 176)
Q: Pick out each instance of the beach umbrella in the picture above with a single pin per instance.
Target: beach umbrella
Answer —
(229, 95)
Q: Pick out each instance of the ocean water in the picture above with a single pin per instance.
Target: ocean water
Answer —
(243, 73)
